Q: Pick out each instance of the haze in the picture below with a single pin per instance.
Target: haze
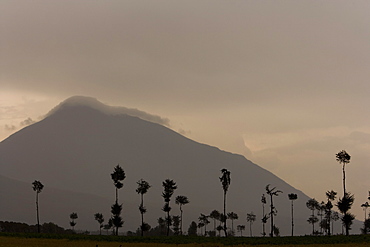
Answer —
(285, 83)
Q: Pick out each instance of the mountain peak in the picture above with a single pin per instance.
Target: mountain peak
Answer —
(95, 104)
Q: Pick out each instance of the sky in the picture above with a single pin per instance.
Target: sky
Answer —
(284, 83)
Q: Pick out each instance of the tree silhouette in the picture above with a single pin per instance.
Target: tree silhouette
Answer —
(312, 205)
(232, 216)
(181, 200)
(344, 205)
(73, 217)
(251, 217)
(264, 216)
(330, 195)
(272, 192)
(116, 218)
(176, 224)
(225, 181)
(365, 206)
(169, 188)
(143, 187)
(192, 230)
(37, 186)
(203, 221)
(215, 215)
(334, 217)
(292, 197)
(118, 175)
(343, 158)
(240, 229)
(99, 217)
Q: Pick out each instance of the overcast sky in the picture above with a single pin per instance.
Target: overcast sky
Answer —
(285, 83)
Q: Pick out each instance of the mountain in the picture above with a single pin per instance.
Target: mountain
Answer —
(74, 149)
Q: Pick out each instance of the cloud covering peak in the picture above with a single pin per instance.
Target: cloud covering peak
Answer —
(109, 110)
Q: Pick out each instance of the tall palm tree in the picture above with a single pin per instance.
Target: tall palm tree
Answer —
(292, 197)
(313, 204)
(343, 158)
(272, 192)
(73, 217)
(143, 187)
(100, 219)
(118, 175)
(330, 195)
(37, 186)
(264, 217)
(232, 216)
(225, 181)
(169, 188)
(215, 215)
(251, 217)
(344, 205)
(181, 200)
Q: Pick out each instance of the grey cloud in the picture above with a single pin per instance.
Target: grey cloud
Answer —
(27, 122)
(111, 110)
(9, 127)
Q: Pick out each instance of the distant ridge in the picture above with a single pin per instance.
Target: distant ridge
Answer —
(77, 145)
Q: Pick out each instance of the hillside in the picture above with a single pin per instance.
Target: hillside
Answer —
(77, 145)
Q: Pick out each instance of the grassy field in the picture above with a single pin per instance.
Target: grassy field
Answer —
(41, 240)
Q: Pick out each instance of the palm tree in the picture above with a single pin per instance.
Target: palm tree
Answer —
(118, 175)
(169, 188)
(181, 200)
(203, 220)
(264, 217)
(272, 192)
(240, 229)
(292, 197)
(215, 215)
(251, 217)
(143, 187)
(37, 186)
(99, 217)
(312, 205)
(331, 195)
(232, 216)
(225, 181)
(344, 205)
(343, 158)
(73, 217)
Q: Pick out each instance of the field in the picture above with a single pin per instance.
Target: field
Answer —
(40, 240)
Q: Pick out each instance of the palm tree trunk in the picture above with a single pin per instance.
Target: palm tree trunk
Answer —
(344, 179)
(263, 223)
(180, 220)
(168, 223)
(292, 220)
(37, 212)
(225, 214)
(272, 218)
(250, 228)
(142, 215)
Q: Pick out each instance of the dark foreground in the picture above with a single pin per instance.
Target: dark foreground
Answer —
(14, 239)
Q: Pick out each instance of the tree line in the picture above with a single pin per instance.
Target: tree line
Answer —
(172, 224)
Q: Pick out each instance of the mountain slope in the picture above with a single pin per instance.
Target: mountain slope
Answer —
(76, 147)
